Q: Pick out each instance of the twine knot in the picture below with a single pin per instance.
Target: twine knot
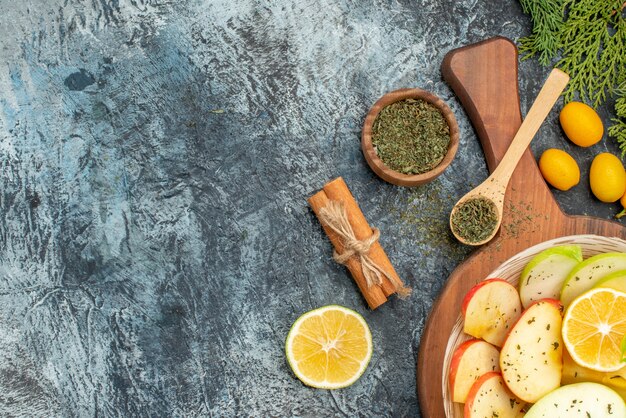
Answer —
(353, 247)
(335, 216)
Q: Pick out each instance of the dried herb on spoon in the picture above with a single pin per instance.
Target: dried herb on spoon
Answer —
(411, 136)
(475, 219)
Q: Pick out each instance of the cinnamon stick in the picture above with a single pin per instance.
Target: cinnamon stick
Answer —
(338, 190)
(375, 295)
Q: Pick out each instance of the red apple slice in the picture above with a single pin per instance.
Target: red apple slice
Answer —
(531, 358)
(489, 397)
(471, 360)
(490, 309)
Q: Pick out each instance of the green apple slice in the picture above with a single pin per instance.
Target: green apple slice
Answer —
(616, 280)
(586, 274)
(545, 273)
(580, 400)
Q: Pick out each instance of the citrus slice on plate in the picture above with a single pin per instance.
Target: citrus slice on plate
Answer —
(329, 347)
(593, 329)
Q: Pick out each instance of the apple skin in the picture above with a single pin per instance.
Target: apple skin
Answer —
(494, 397)
(616, 280)
(545, 273)
(557, 304)
(470, 294)
(586, 274)
(472, 359)
(531, 358)
(489, 310)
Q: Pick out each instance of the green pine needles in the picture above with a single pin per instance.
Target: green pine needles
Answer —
(587, 39)
(618, 130)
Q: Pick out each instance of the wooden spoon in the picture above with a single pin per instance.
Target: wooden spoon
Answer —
(495, 186)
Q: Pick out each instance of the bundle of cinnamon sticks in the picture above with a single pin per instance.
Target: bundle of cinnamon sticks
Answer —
(356, 243)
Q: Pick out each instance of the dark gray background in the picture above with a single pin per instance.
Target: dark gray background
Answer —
(156, 157)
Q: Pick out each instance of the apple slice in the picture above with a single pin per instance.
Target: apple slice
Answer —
(580, 400)
(490, 309)
(615, 280)
(545, 273)
(471, 360)
(531, 357)
(489, 397)
(586, 274)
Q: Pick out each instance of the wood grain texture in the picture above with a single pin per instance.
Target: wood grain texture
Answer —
(494, 188)
(484, 77)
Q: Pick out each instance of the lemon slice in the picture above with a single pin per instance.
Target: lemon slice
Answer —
(593, 329)
(329, 347)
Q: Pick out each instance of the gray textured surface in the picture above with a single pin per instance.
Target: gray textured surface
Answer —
(155, 158)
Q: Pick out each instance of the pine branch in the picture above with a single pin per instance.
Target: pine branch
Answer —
(618, 130)
(587, 39)
(547, 17)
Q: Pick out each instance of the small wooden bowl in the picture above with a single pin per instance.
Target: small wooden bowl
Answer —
(377, 164)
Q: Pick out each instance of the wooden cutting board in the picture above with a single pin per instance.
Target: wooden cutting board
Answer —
(484, 77)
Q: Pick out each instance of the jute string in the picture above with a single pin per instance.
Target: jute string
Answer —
(335, 216)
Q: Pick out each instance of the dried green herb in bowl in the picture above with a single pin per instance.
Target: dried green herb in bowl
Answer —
(475, 219)
(396, 142)
(411, 136)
